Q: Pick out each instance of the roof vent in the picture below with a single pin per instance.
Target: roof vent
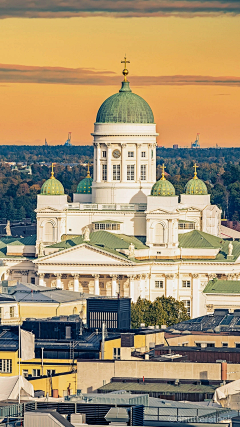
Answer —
(221, 311)
(117, 416)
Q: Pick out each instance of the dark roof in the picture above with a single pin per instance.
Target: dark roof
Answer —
(156, 387)
(220, 321)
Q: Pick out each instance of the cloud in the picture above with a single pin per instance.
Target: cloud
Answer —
(93, 77)
(117, 8)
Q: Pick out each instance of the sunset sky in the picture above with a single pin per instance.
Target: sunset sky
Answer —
(61, 59)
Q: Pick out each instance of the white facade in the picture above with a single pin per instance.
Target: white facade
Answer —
(121, 204)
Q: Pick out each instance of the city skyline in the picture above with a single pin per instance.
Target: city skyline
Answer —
(56, 72)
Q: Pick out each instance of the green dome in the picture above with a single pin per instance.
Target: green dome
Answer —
(125, 107)
(52, 187)
(196, 186)
(163, 188)
(85, 186)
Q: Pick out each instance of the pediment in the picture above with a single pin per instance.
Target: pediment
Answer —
(163, 211)
(82, 254)
(48, 209)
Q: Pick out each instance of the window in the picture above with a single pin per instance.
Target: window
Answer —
(159, 284)
(159, 234)
(224, 344)
(36, 373)
(106, 226)
(117, 353)
(130, 172)
(186, 283)
(104, 172)
(116, 172)
(33, 280)
(50, 372)
(237, 344)
(198, 344)
(104, 154)
(151, 154)
(6, 365)
(210, 344)
(143, 172)
(187, 305)
(25, 373)
(49, 232)
(131, 154)
(186, 225)
(143, 154)
(12, 311)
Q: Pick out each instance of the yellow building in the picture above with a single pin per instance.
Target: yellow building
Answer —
(22, 301)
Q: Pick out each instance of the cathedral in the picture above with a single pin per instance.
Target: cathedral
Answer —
(124, 233)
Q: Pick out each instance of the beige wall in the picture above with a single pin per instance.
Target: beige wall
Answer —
(191, 340)
(94, 374)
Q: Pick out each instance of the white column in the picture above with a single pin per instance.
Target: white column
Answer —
(41, 280)
(169, 231)
(59, 282)
(76, 283)
(109, 163)
(149, 171)
(114, 286)
(123, 165)
(142, 286)
(195, 295)
(98, 163)
(96, 284)
(138, 167)
(94, 162)
(131, 288)
(169, 285)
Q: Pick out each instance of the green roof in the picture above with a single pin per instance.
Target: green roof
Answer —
(85, 186)
(222, 287)
(104, 240)
(163, 187)
(199, 239)
(125, 107)
(52, 187)
(196, 187)
(9, 240)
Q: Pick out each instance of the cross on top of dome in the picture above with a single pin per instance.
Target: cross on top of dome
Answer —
(125, 71)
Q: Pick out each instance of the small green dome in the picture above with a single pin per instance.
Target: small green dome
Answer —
(52, 187)
(125, 107)
(196, 186)
(85, 186)
(163, 188)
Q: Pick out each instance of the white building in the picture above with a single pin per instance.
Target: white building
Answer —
(125, 233)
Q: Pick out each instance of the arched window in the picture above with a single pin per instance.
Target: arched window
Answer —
(49, 232)
(159, 233)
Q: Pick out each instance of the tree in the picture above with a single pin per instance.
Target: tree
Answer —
(162, 311)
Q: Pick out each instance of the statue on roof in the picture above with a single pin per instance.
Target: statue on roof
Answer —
(8, 229)
(86, 234)
(230, 249)
(131, 251)
(40, 249)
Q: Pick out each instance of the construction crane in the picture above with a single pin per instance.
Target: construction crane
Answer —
(68, 142)
(196, 144)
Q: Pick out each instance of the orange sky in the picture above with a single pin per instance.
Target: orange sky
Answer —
(196, 48)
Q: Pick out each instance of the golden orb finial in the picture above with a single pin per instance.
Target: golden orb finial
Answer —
(125, 71)
(163, 173)
(195, 171)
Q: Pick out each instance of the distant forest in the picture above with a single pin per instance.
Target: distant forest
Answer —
(219, 168)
